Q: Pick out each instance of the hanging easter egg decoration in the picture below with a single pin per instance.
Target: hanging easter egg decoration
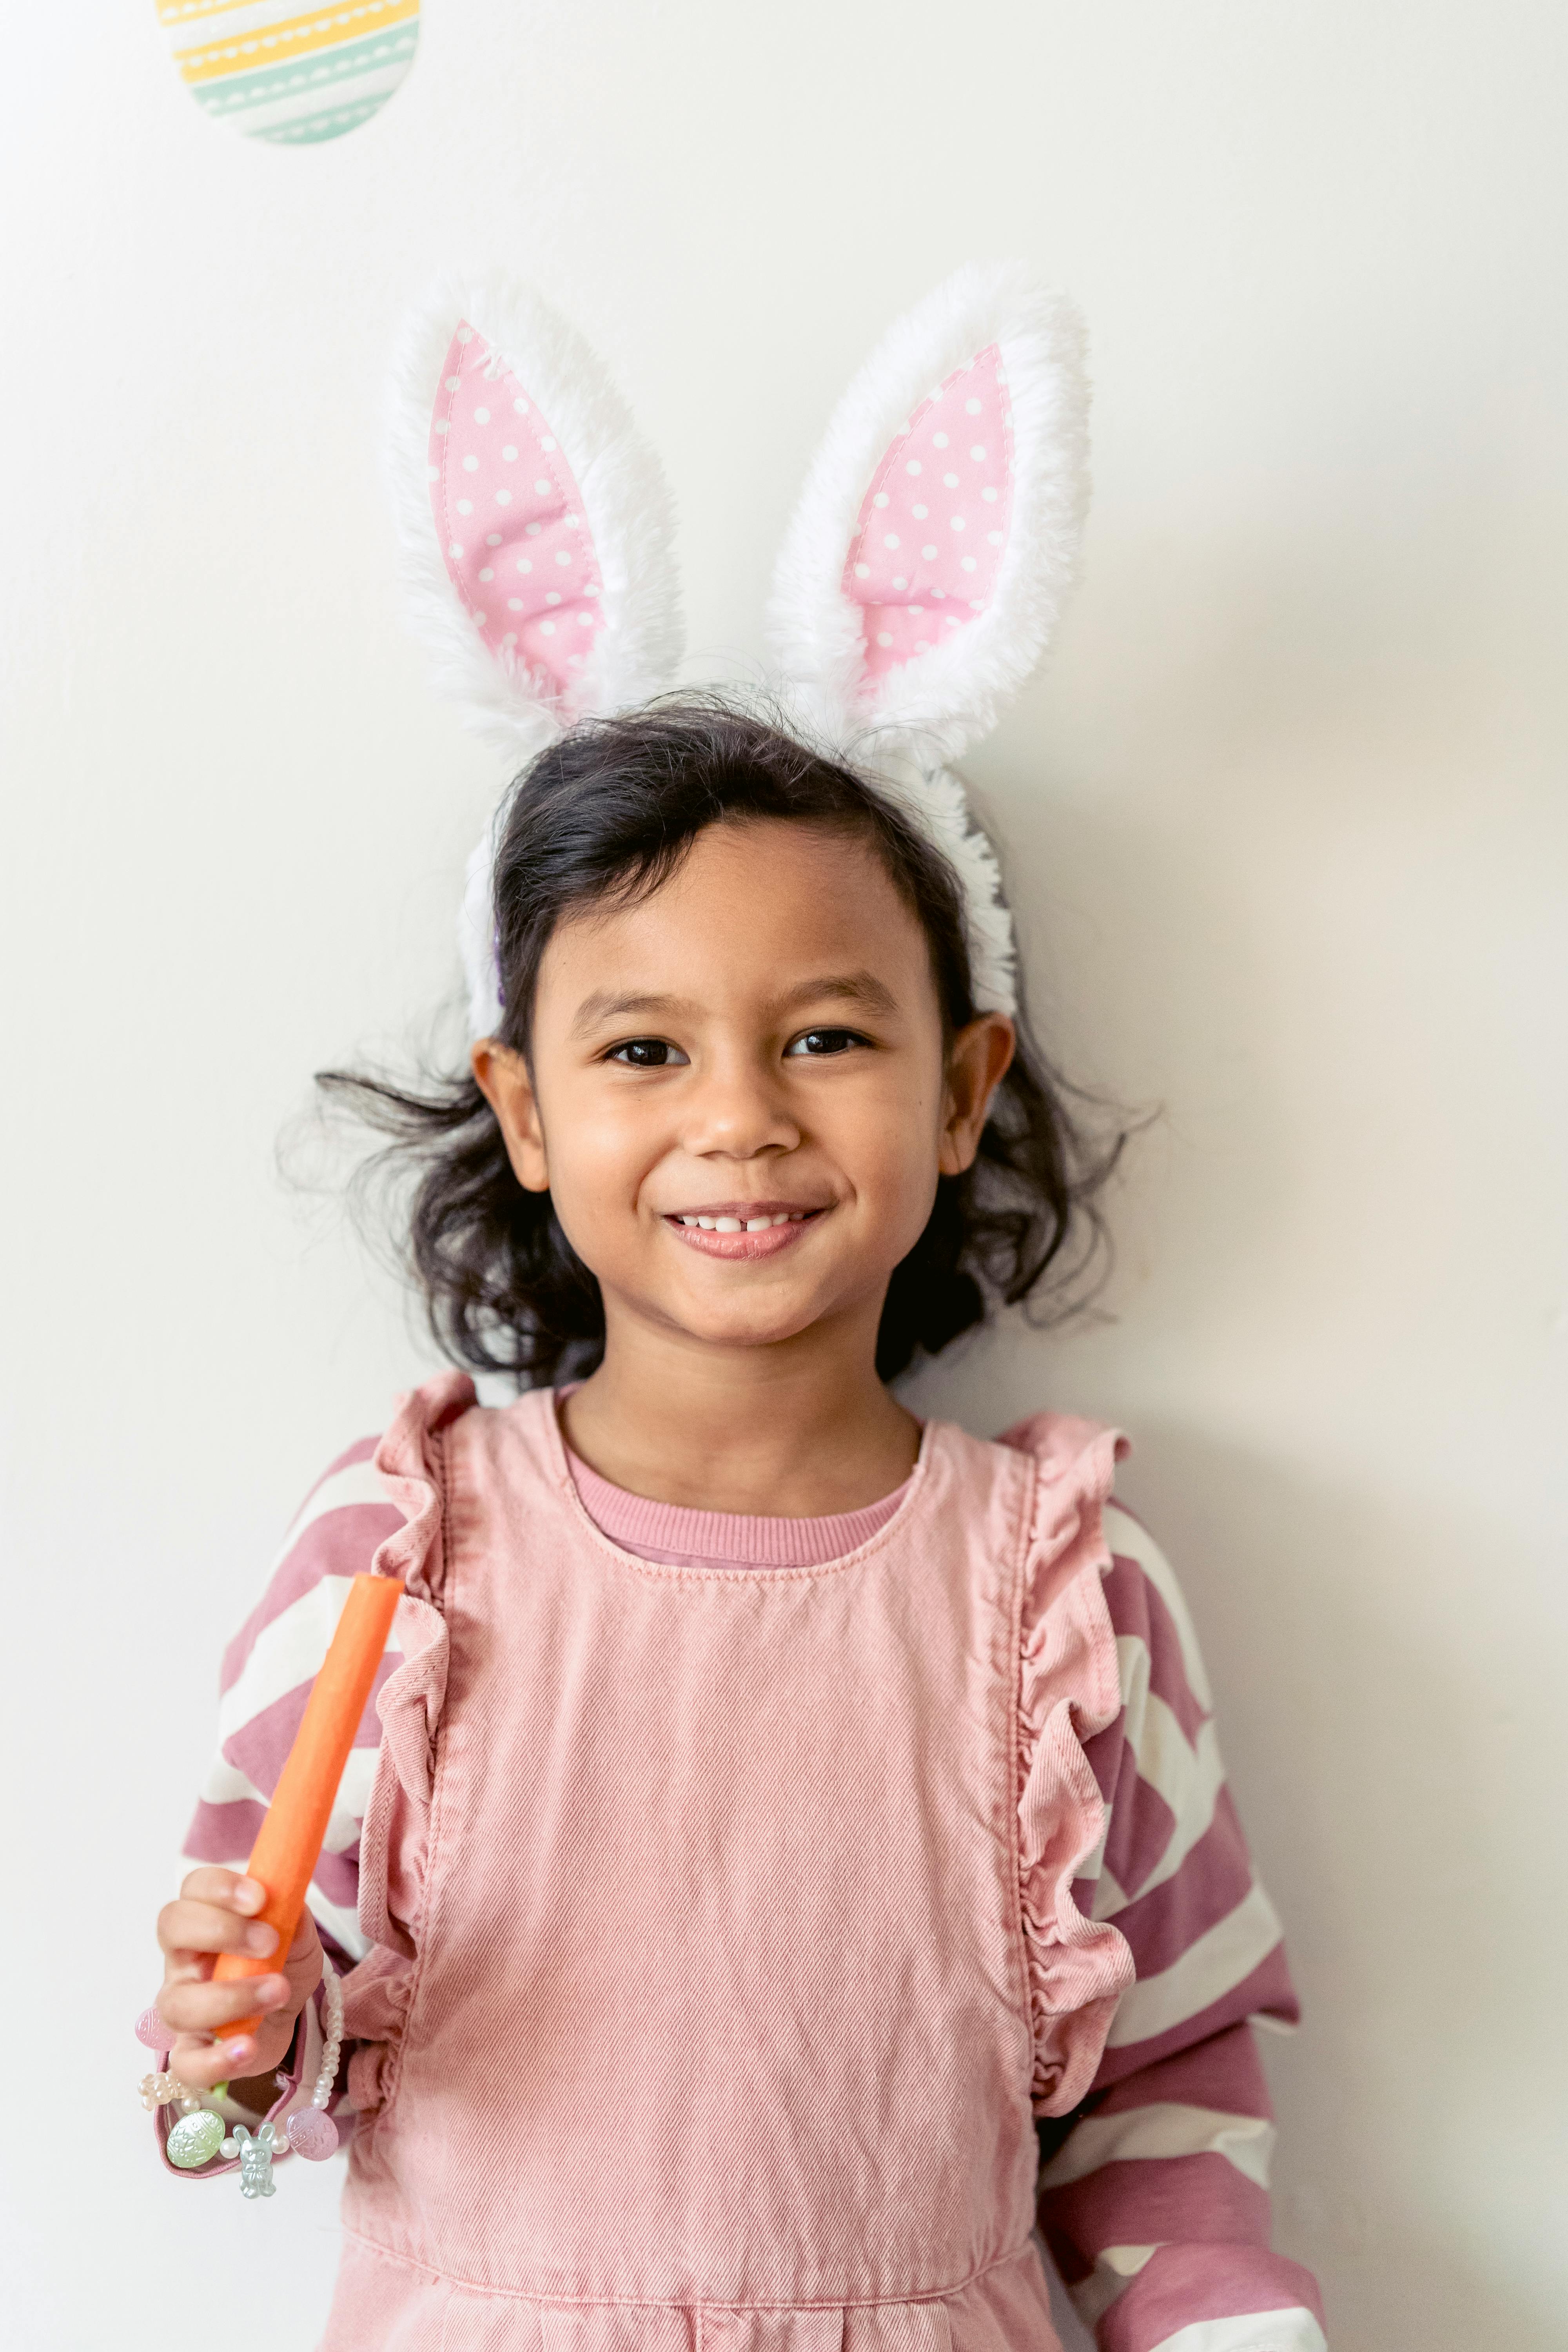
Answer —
(290, 74)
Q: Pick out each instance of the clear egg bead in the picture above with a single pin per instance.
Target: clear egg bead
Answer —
(312, 2135)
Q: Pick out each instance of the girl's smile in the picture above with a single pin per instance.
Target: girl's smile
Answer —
(742, 1229)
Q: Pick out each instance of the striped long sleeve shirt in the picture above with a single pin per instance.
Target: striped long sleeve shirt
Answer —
(1153, 2195)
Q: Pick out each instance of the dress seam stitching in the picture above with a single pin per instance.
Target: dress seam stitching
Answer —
(1019, 1952)
(671, 2303)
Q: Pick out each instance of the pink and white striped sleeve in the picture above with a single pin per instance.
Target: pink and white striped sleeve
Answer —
(1155, 2203)
(268, 1671)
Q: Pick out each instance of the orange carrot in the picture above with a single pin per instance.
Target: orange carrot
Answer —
(290, 1840)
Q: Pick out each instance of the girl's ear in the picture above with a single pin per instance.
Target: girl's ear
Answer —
(535, 526)
(980, 1057)
(503, 1079)
(921, 576)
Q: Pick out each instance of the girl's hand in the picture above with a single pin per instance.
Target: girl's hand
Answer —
(215, 1912)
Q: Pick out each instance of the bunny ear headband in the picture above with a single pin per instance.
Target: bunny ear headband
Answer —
(917, 587)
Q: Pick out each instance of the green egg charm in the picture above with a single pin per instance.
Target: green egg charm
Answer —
(196, 2139)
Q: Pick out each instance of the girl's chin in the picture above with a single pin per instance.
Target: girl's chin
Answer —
(770, 1330)
(769, 1318)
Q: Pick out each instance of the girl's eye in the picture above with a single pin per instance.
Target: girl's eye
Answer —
(816, 1042)
(647, 1054)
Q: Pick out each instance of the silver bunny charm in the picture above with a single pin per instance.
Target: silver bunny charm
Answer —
(255, 2155)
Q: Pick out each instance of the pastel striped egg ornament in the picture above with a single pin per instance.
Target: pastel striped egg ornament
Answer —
(289, 75)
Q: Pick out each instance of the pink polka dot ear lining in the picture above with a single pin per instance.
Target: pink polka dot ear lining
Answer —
(509, 517)
(291, 77)
(917, 585)
(930, 534)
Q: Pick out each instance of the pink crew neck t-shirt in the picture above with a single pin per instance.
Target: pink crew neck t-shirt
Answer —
(672, 1536)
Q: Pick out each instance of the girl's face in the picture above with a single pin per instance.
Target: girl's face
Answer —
(738, 1099)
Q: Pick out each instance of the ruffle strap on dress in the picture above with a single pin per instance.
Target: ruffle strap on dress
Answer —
(376, 1997)
(394, 1832)
(1069, 1689)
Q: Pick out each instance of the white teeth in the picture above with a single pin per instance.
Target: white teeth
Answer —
(748, 1224)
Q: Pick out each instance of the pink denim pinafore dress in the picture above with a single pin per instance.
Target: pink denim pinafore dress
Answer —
(724, 1938)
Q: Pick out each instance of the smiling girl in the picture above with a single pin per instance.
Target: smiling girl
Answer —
(782, 1822)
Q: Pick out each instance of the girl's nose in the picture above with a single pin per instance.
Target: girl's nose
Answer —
(739, 1111)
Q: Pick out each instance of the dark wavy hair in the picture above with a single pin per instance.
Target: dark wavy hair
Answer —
(607, 814)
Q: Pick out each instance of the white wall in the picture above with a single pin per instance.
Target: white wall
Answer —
(1286, 827)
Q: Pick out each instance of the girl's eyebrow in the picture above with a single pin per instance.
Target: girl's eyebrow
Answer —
(862, 988)
(859, 988)
(606, 1005)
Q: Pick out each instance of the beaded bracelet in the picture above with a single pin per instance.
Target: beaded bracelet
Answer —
(197, 2134)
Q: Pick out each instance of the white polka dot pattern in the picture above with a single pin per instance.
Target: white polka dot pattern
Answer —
(509, 521)
(933, 527)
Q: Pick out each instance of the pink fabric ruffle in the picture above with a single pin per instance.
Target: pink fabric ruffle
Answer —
(1069, 1689)
(395, 1835)
(375, 2010)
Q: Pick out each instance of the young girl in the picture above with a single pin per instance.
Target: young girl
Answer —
(781, 1824)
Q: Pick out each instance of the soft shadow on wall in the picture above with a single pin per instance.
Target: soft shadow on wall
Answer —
(1281, 870)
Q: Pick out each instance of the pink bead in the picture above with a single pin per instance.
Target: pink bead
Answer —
(311, 2134)
(152, 2031)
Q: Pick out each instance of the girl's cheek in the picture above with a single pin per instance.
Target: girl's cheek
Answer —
(588, 1184)
(604, 1173)
(896, 1138)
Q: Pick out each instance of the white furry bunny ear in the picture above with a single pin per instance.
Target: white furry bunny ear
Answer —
(922, 573)
(535, 524)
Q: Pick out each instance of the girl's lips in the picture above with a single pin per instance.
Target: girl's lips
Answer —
(767, 1243)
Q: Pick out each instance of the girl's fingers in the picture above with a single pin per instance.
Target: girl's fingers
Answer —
(215, 1913)
(306, 1940)
(204, 2064)
(196, 2005)
(230, 1889)
(194, 1926)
